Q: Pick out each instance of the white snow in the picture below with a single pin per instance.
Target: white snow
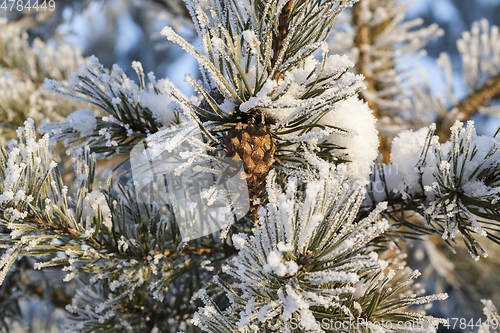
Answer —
(82, 121)
(95, 204)
(362, 145)
(405, 154)
(161, 105)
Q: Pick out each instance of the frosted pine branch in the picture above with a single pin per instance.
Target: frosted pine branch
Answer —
(128, 251)
(492, 323)
(453, 185)
(131, 111)
(308, 261)
(23, 67)
(378, 39)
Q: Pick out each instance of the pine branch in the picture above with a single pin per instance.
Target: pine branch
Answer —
(61, 229)
(456, 190)
(364, 38)
(125, 247)
(381, 38)
(481, 75)
(103, 244)
(127, 120)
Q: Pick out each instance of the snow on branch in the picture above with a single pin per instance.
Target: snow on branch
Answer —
(131, 111)
(227, 60)
(480, 55)
(454, 185)
(311, 107)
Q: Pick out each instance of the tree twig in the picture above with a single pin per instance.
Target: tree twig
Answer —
(188, 250)
(470, 105)
(284, 25)
(363, 40)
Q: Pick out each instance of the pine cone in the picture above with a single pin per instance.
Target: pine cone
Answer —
(254, 146)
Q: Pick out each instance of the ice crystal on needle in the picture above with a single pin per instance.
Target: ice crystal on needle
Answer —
(492, 324)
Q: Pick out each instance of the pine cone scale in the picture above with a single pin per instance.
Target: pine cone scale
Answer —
(254, 146)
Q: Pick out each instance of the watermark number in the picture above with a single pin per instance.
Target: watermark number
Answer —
(462, 323)
(21, 5)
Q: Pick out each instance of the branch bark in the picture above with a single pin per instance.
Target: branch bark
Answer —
(103, 245)
(279, 41)
(363, 40)
(470, 105)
